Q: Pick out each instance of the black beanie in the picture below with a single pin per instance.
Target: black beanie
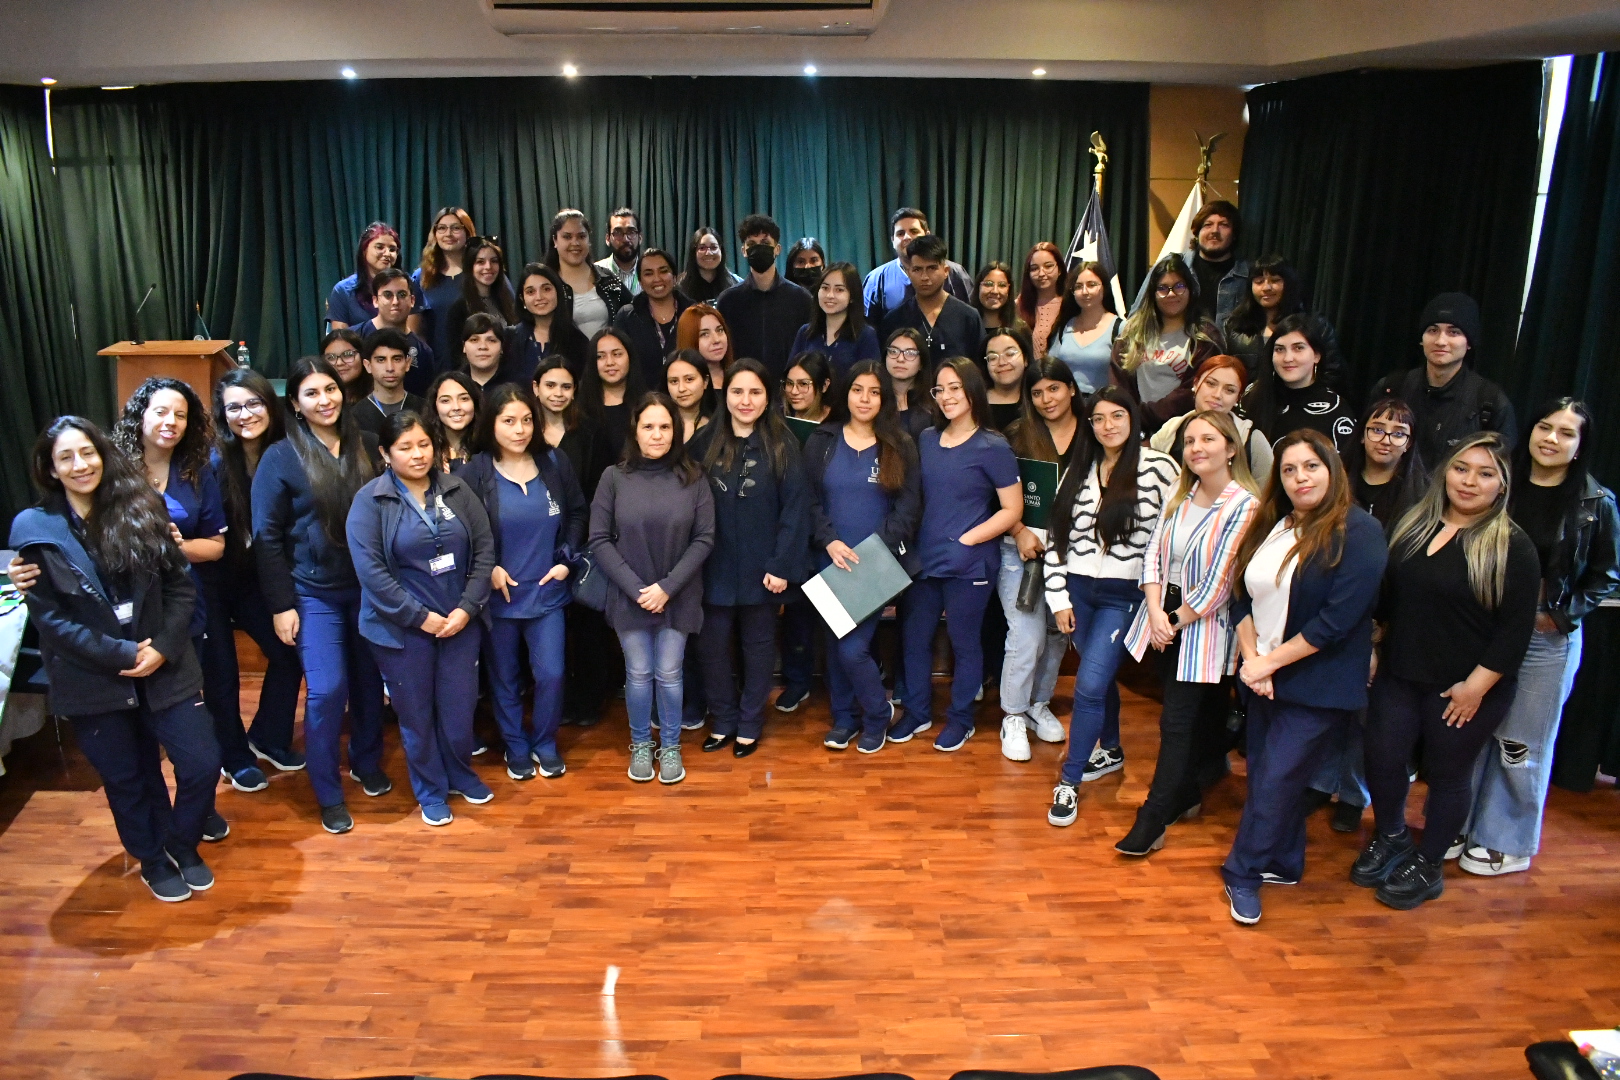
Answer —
(1458, 309)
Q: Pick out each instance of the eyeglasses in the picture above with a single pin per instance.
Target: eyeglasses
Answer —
(937, 392)
(625, 233)
(902, 354)
(1014, 353)
(799, 384)
(1171, 290)
(708, 249)
(347, 356)
(450, 228)
(1394, 437)
(237, 408)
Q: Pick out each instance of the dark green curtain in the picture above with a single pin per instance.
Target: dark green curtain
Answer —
(1387, 187)
(40, 363)
(248, 199)
(1568, 345)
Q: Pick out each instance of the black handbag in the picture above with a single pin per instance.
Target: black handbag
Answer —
(588, 585)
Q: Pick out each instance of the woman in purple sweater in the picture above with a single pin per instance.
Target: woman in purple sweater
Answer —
(652, 527)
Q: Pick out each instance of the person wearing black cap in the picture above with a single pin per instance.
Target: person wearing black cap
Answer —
(1449, 398)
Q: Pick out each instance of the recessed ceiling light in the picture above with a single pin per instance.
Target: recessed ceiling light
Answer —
(809, 69)
(1038, 72)
(349, 73)
(47, 81)
(569, 70)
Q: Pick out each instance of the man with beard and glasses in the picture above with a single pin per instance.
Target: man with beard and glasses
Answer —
(624, 244)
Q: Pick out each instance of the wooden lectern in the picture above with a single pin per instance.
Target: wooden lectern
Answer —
(199, 363)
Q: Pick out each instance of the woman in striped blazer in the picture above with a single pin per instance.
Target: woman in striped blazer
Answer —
(1187, 574)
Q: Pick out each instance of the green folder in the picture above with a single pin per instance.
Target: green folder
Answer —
(847, 598)
(1039, 480)
(801, 428)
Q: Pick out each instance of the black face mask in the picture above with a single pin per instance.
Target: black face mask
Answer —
(761, 257)
(804, 276)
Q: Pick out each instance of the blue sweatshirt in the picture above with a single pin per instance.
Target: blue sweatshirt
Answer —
(293, 550)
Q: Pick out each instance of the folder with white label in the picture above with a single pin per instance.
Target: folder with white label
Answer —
(847, 598)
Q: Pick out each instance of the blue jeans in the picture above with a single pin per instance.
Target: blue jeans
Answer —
(340, 673)
(241, 606)
(545, 640)
(1103, 610)
(434, 686)
(1035, 646)
(962, 601)
(1510, 780)
(1343, 771)
(854, 682)
(122, 746)
(1286, 742)
(653, 656)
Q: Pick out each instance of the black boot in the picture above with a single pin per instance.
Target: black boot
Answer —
(1416, 881)
(1380, 858)
(1145, 837)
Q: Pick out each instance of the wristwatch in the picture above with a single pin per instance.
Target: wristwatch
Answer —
(1174, 616)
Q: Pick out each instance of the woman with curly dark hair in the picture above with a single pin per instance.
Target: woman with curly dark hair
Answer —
(113, 609)
(168, 432)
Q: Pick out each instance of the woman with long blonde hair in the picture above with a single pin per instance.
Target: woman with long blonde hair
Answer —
(1187, 576)
(1458, 609)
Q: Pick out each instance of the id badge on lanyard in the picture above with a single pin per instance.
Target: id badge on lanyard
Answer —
(443, 561)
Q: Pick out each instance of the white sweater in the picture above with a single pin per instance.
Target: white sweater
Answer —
(1083, 554)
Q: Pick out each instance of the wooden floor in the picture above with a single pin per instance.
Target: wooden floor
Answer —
(799, 912)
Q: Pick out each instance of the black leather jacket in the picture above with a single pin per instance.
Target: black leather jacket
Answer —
(1582, 572)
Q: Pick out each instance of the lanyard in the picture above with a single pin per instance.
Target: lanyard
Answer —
(430, 520)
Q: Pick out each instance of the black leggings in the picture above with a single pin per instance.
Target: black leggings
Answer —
(1399, 712)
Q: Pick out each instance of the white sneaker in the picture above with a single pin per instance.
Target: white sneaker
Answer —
(1046, 727)
(1014, 738)
(1488, 863)
(1456, 848)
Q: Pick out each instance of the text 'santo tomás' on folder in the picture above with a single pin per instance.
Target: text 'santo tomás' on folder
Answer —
(847, 598)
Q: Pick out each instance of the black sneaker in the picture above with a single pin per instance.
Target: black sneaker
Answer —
(1065, 805)
(216, 828)
(519, 768)
(1415, 881)
(1346, 817)
(336, 819)
(375, 784)
(1315, 800)
(193, 870)
(287, 760)
(1103, 760)
(790, 699)
(1145, 837)
(1380, 858)
(165, 881)
(837, 739)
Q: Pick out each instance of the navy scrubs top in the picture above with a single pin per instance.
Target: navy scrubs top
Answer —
(346, 305)
(852, 496)
(959, 492)
(198, 511)
(529, 524)
(415, 547)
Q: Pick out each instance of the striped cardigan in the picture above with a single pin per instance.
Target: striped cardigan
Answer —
(1083, 552)
(1206, 584)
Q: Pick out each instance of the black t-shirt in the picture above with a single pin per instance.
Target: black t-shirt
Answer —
(1209, 276)
(1438, 631)
(1002, 416)
(1370, 496)
(1538, 511)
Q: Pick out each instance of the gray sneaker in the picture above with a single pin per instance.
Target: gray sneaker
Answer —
(641, 761)
(670, 769)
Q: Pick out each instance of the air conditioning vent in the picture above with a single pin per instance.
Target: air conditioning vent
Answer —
(794, 18)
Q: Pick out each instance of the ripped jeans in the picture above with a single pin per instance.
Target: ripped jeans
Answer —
(1514, 768)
